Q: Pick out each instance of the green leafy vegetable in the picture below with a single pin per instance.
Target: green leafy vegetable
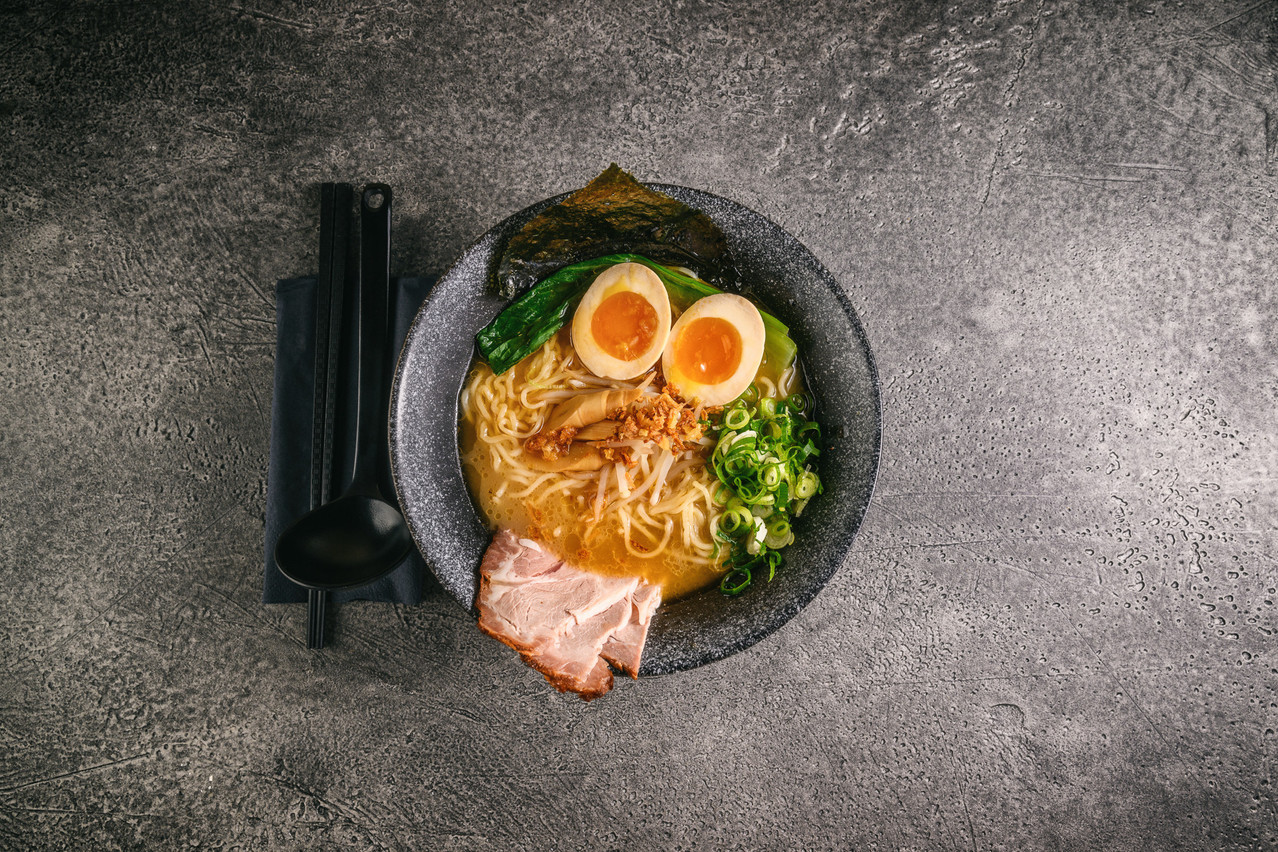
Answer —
(534, 317)
(530, 320)
(763, 458)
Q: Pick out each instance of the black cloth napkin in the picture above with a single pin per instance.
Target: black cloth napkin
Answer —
(288, 480)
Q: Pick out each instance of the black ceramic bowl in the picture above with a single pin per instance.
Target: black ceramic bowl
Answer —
(839, 368)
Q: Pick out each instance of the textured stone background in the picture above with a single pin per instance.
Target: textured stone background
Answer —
(1057, 221)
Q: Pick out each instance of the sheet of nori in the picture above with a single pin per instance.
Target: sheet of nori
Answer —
(611, 214)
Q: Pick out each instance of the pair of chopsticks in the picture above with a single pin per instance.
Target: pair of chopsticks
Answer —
(330, 298)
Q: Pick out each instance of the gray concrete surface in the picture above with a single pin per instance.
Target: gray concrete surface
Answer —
(1058, 223)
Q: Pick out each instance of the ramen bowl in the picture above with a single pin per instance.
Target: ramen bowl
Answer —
(776, 270)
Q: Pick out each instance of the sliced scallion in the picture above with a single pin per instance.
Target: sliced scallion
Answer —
(735, 581)
(736, 418)
(808, 484)
(763, 459)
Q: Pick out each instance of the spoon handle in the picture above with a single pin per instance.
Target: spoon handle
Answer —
(335, 231)
(374, 279)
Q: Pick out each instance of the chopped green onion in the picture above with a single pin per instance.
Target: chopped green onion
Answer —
(735, 581)
(771, 476)
(763, 461)
(735, 520)
(779, 534)
(774, 562)
(755, 542)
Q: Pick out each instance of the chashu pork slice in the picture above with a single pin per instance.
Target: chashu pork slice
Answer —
(624, 648)
(573, 663)
(528, 597)
(557, 617)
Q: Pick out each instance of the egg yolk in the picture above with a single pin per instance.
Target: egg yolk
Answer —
(624, 325)
(708, 350)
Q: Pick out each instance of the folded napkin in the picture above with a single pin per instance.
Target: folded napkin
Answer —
(288, 480)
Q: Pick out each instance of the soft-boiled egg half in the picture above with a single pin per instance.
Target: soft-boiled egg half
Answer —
(715, 349)
(622, 322)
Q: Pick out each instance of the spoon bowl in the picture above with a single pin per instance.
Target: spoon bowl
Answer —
(350, 542)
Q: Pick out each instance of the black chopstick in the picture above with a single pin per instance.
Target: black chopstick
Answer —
(335, 227)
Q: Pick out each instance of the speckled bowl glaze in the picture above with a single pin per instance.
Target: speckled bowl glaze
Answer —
(779, 271)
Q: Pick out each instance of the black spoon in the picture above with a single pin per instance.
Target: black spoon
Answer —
(359, 537)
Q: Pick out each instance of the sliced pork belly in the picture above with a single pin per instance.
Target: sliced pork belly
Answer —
(572, 662)
(559, 618)
(624, 648)
(529, 599)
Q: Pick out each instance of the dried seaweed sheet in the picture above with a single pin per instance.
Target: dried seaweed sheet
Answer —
(614, 213)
